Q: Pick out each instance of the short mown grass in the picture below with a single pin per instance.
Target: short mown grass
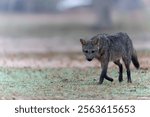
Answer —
(70, 83)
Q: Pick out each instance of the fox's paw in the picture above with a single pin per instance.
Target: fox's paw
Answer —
(129, 81)
(120, 79)
(100, 82)
(109, 79)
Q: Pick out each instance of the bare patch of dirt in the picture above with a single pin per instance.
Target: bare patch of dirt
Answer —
(60, 60)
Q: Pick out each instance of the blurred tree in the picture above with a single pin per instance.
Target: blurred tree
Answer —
(103, 10)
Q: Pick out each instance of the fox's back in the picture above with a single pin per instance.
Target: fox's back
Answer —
(117, 45)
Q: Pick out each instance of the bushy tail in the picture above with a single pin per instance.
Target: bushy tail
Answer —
(135, 60)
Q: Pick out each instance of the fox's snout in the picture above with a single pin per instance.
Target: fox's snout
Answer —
(89, 59)
(89, 56)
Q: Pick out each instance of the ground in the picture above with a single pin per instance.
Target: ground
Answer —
(42, 59)
(72, 78)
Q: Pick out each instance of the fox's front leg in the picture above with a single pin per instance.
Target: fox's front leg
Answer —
(102, 76)
(104, 73)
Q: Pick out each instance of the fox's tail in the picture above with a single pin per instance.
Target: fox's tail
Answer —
(135, 60)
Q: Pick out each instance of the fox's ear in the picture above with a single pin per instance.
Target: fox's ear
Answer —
(83, 42)
(95, 41)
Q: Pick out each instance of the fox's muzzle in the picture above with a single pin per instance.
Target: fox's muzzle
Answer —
(89, 59)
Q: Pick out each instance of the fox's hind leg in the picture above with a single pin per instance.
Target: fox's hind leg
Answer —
(127, 62)
(120, 70)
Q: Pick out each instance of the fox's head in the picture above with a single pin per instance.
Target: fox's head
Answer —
(90, 48)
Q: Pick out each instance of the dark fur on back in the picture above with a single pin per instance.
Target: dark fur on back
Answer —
(116, 46)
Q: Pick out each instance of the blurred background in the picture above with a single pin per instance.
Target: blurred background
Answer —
(45, 33)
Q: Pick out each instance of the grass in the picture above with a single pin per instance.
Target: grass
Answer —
(70, 83)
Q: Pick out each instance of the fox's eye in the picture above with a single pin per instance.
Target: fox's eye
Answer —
(93, 51)
(85, 51)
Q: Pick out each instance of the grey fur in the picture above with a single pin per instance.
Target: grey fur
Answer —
(107, 48)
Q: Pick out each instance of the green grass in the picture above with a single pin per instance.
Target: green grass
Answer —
(70, 83)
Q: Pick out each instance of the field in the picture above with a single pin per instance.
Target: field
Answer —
(42, 59)
(71, 78)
